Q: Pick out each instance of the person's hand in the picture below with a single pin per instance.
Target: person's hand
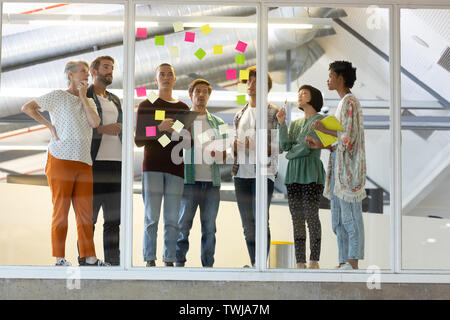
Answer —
(318, 125)
(313, 143)
(82, 88)
(53, 132)
(281, 116)
(112, 129)
(166, 125)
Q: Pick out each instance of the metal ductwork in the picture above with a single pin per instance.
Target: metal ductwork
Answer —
(213, 68)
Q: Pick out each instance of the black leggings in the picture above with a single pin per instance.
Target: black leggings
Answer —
(304, 200)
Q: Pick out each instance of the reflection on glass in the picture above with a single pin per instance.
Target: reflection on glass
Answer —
(200, 225)
(49, 72)
(425, 139)
(359, 36)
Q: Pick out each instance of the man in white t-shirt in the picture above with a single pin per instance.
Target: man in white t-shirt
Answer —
(106, 152)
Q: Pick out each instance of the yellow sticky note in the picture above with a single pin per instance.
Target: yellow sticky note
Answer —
(178, 26)
(177, 126)
(152, 97)
(160, 115)
(164, 140)
(206, 29)
(242, 88)
(203, 137)
(244, 74)
(174, 51)
(218, 49)
(223, 129)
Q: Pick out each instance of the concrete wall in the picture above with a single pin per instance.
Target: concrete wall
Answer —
(219, 290)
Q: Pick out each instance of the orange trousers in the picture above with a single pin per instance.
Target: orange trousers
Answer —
(71, 182)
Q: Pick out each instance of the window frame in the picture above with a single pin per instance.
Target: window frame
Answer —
(396, 274)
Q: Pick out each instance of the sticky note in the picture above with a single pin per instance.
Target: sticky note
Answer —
(241, 99)
(150, 131)
(141, 33)
(231, 74)
(242, 88)
(244, 74)
(159, 40)
(177, 126)
(152, 97)
(223, 128)
(241, 46)
(178, 26)
(203, 137)
(218, 49)
(206, 29)
(240, 59)
(141, 92)
(164, 141)
(200, 54)
(174, 51)
(160, 115)
(189, 37)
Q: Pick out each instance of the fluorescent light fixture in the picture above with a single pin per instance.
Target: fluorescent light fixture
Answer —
(153, 21)
(431, 240)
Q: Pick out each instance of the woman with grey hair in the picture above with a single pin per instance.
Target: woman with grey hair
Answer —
(69, 163)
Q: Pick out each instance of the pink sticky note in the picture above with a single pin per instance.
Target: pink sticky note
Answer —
(241, 46)
(141, 33)
(231, 74)
(150, 131)
(189, 37)
(141, 92)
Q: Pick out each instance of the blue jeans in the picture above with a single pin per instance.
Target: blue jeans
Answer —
(245, 197)
(207, 197)
(347, 224)
(155, 185)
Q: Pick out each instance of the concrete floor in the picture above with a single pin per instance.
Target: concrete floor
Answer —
(11, 289)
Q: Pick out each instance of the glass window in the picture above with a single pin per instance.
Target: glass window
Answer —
(38, 41)
(303, 42)
(185, 198)
(425, 134)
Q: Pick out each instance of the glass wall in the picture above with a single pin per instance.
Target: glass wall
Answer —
(425, 135)
(183, 160)
(303, 42)
(38, 40)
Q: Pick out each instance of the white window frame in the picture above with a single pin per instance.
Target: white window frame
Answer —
(260, 273)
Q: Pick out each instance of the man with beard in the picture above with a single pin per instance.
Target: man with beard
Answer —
(106, 152)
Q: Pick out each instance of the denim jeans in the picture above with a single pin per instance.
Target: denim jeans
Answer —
(246, 200)
(347, 224)
(155, 186)
(207, 197)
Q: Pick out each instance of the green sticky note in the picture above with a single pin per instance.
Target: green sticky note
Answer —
(241, 99)
(159, 40)
(240, 59)
(200, 54)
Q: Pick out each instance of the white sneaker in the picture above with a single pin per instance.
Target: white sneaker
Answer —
(62, 262)
(346, 266)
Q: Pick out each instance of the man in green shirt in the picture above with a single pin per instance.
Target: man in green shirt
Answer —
(202, 176)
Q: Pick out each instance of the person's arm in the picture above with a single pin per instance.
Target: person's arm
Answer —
(347, 137)
(89, 109)
(31, 109)
(318, 125)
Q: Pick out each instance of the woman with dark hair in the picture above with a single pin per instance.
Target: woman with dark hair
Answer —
(346, 175)
(305, 175)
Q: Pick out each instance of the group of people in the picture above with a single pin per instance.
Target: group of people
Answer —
(84, 165)
(194, 181)
(84, 158)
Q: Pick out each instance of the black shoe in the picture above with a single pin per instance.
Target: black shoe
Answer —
(151, 263)
(98, 263)
(168, 264)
